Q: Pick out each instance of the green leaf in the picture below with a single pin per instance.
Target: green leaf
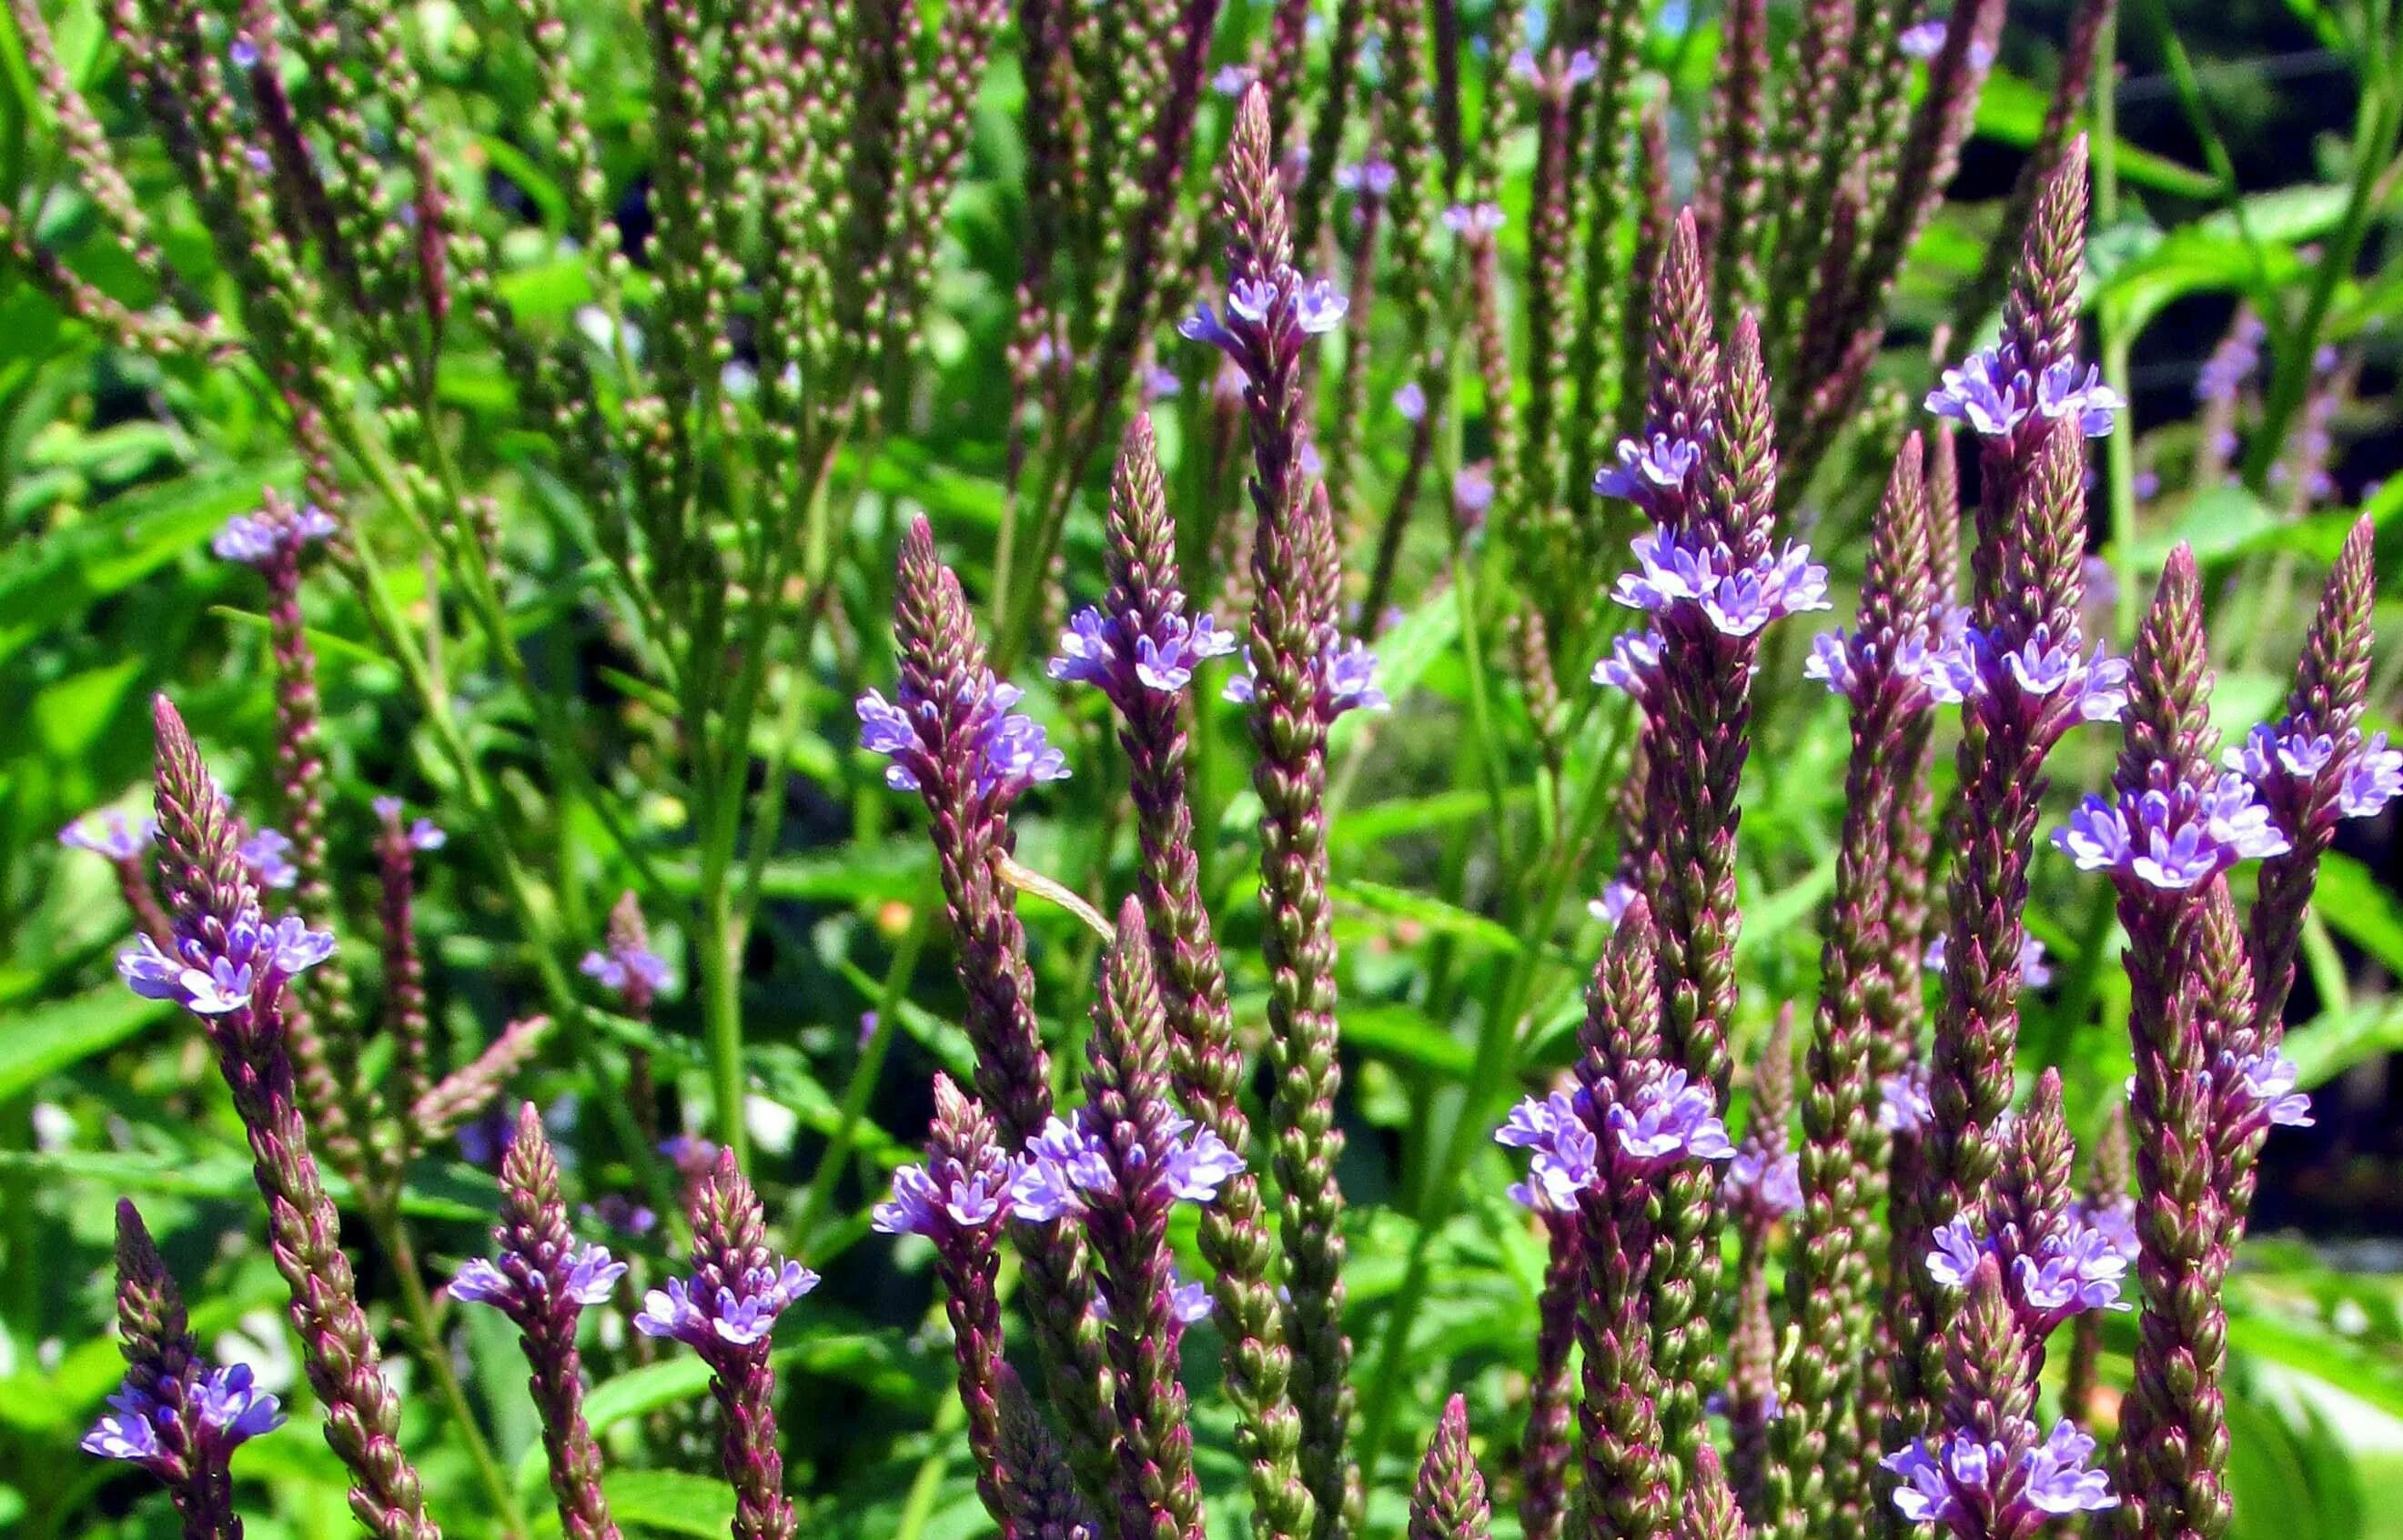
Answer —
(2338, 1041)
(225, 1177)
(1403, 1036)
(2362, 912)
(671, 1502)
(39, 1043)
(1432, 913)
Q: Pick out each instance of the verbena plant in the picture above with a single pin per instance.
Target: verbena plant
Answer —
(685, 389)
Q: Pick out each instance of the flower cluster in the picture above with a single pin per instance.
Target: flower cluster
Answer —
(923, 1204)
(1632, 666)
(256, 957)
(1347, 680)
(1903, 1103)
(423, 834)
(1990, 393)
(1768, 1184)
(2232, 362)
(1189, 1303)
(2172, 839)
(2044, 669)
(1977, 1488)
(737, 1314)
(1473, 220)
(1258, 306)
(268, 854)
(1372, 178)
(1735, 600)
(222, 1408)
(2258, 1089)
(1652, 473)
(590, 1274)
(117, 835)
(1096, 650)
(2079, 1267)
(2035, 972)
(1854, 664)
(1067, 1161)
(2368, 776)
(1611, 907)
(1008, 752)
(257, 540)
(1664, 1120)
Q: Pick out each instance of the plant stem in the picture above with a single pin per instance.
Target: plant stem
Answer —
(392, 1234)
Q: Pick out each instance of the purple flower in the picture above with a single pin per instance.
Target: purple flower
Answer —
(425, 834)
(2373, 777)
(119, 837)
(1735, 602)
(1093, 651)
(1611, 907)
(1961, 1482)
(1771, 1185)
(1991, 392)
(1410, 401)
(2261, 1091)
(920, 1205)
(2267, 755)
(1925, 40)
(209, 982)
(1987, 392)
(592, 1274)
(2077, 1267)
(1565, 1155)
(1232, 79)
(1665, 1121)
(265, 853)
(256, 539)
(2174, 839)
(1472, 492)
(623, 965)
(1649, 470)
(1347, 680)
(1373, 177)
(1009, 751)
(1066, 1163)
(1970, 668)
(1903, 1105)
(226, 1406)
(1580, 69)
(1633, 666)
(1187, 1303)
(2061, 391)
(2033, 970)
(739, 1314)
(2232, 362)
(243, 54)
(1473, 220)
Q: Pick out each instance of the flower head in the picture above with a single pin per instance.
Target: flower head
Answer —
(1768, 1184)
(1611, 907)
(421, 835)
(1373, 177)
(738, 1314)
(1634, 665)
(257, 540)
(1095, 651)
(1346, 680)
(1472, 492)
(1969, 1484)
(266, 852)
(2172, 839)
(1473, 220)
(922, 1205)
(1410, 400)
(1903, 1105)
(1067, 1164)
(1990, 393)
(2077, 1267)
(1665, 1121)
(1733, 600)
(2259, 1090)
(1649, 471)
(119, 836)
(224, 1407)
(1008, 752)
(256, 956)
(2034, 971)
(625, 965)
(1565, 1155)
(589, 1275)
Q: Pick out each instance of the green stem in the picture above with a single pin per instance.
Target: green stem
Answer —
(392, 1234)
(864, 1075)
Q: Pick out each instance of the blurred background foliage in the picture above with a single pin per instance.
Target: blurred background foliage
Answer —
(2250, 134)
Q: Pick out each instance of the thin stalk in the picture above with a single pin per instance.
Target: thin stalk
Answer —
(392, 1234)
(862, 1085)
(2120, 449)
